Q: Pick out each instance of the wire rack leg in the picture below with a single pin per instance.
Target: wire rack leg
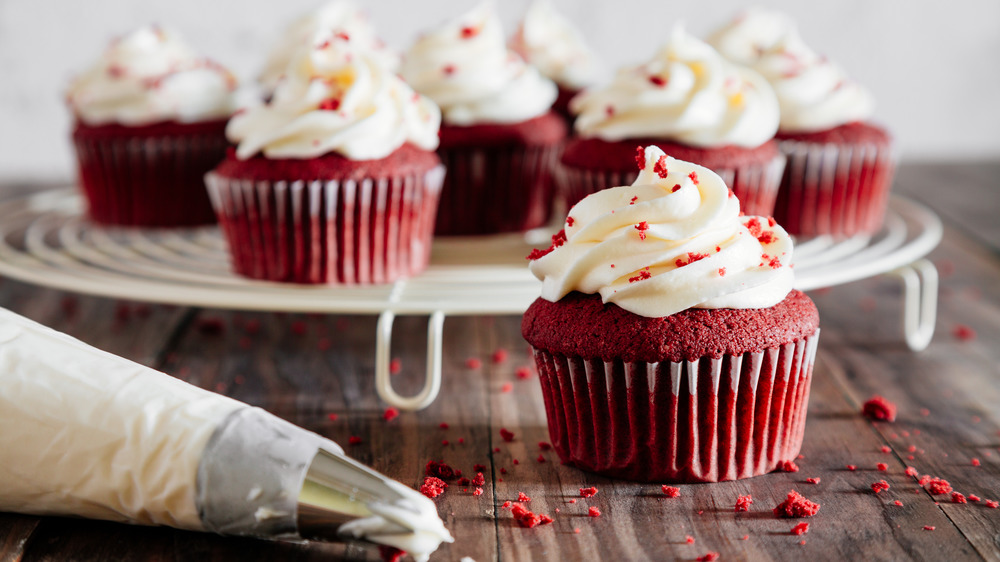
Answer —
(920, 283)
(432, 377)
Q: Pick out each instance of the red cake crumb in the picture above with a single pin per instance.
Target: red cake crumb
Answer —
(544, 446)
(910, 471)
(658, 81)
(938, 486)
(479, 468)
(956, 497)
(433, 487)
(925, 412)
(570, 221)
(593, 511)
(479, 479)
(506, 504)
(852, 467)
(523, 373)
(469, 31)
(911, 448)
(671, 491)
(642, 227)
(963, 332)
(689, 539)
(354, 440)
(923, 480)
(572, 501)
(800, 529)
(878, 408)
(795, 505)
(899, 503)
(390, 553)
(499, 356)
(588, 492)
(477, 492)
(526, 518)
(332, 416)
(745, 538)
(545, 519)
(473, 363)
(690, 258)
(788, 466)
(929, 527)
(522, 497)
(975, 462)
(463, 481)
(643, 274)
(443, 425)
(507, 387)
(885, 449)
(694, 177)
(992, 504)
(390, 414)
(708, 557)
(973, 497)
(882, 467)
(661, 167)
(439, 469)
(676, 187)
(540, 459)
(515, 461)
(813, 480)
(880, 486)
(743, 503)
(640, 157)
(506, 435)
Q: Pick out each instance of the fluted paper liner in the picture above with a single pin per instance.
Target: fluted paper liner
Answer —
(755, 186)
(332, 232)
(839, 190)
(148, 181)
(708, 420)
(497, 189)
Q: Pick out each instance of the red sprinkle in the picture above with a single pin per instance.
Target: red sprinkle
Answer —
(433, 487)
(354, 440)
(795, 505)
(661, 167)
(813, 480)
(593, 511)
(788, 466)
(800, 529)
(882, 467)
(671, 491)
(390, 414)
(506, 435)
(588, 492)
(743, 503)
(880, 486)
(878, 408)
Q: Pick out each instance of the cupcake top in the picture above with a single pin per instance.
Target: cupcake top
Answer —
(336, 99)
(814, 94)
(151, 76)
(344, 20)
(687, 93)
(465, 67)
(550, 43)
(671, 241)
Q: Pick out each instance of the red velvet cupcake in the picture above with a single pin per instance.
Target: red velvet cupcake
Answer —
(840, 166)
(335, 180)
(669, 343)
(150, 121)
(693, 104)
(499, 138)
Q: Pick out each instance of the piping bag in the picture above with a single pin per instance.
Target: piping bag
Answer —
(86, 433)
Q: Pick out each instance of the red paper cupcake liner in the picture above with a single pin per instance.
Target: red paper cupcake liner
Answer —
(708, 420)
(833, 189)
(330, 232)
(148, 181)
(755, 186)
(496, 189)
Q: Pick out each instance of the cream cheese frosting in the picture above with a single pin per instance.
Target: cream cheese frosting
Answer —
(687, 93)
(552, 44)
(336, 99)
(671, 241)
(148, 76)
(814, 94)
(344, 20)
(466, 68)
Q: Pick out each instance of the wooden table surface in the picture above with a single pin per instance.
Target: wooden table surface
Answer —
(317, 371)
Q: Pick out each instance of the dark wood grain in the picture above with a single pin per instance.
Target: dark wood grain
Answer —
(317, 371)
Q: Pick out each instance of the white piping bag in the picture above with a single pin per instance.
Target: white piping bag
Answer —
(90, 434)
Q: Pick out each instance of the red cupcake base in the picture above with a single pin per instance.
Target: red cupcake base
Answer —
(150, 175)
(708, 420)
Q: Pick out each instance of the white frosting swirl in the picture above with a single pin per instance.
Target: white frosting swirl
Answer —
(335, 99)
(550, 43)
(687, 93)
(672, 240)
(751, 33)
(149, 76)
(465, 67)
(344, 20)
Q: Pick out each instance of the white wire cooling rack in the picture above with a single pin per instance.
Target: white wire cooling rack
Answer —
(45, 240)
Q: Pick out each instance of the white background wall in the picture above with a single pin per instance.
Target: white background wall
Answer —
(933, 66)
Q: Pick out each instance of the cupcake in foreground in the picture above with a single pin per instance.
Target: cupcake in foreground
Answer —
(693, 104)
(499, 136)
(344, 21)
(669, 342)
(840, 165)
(550, 43)
(150, 120)
(335, 180)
